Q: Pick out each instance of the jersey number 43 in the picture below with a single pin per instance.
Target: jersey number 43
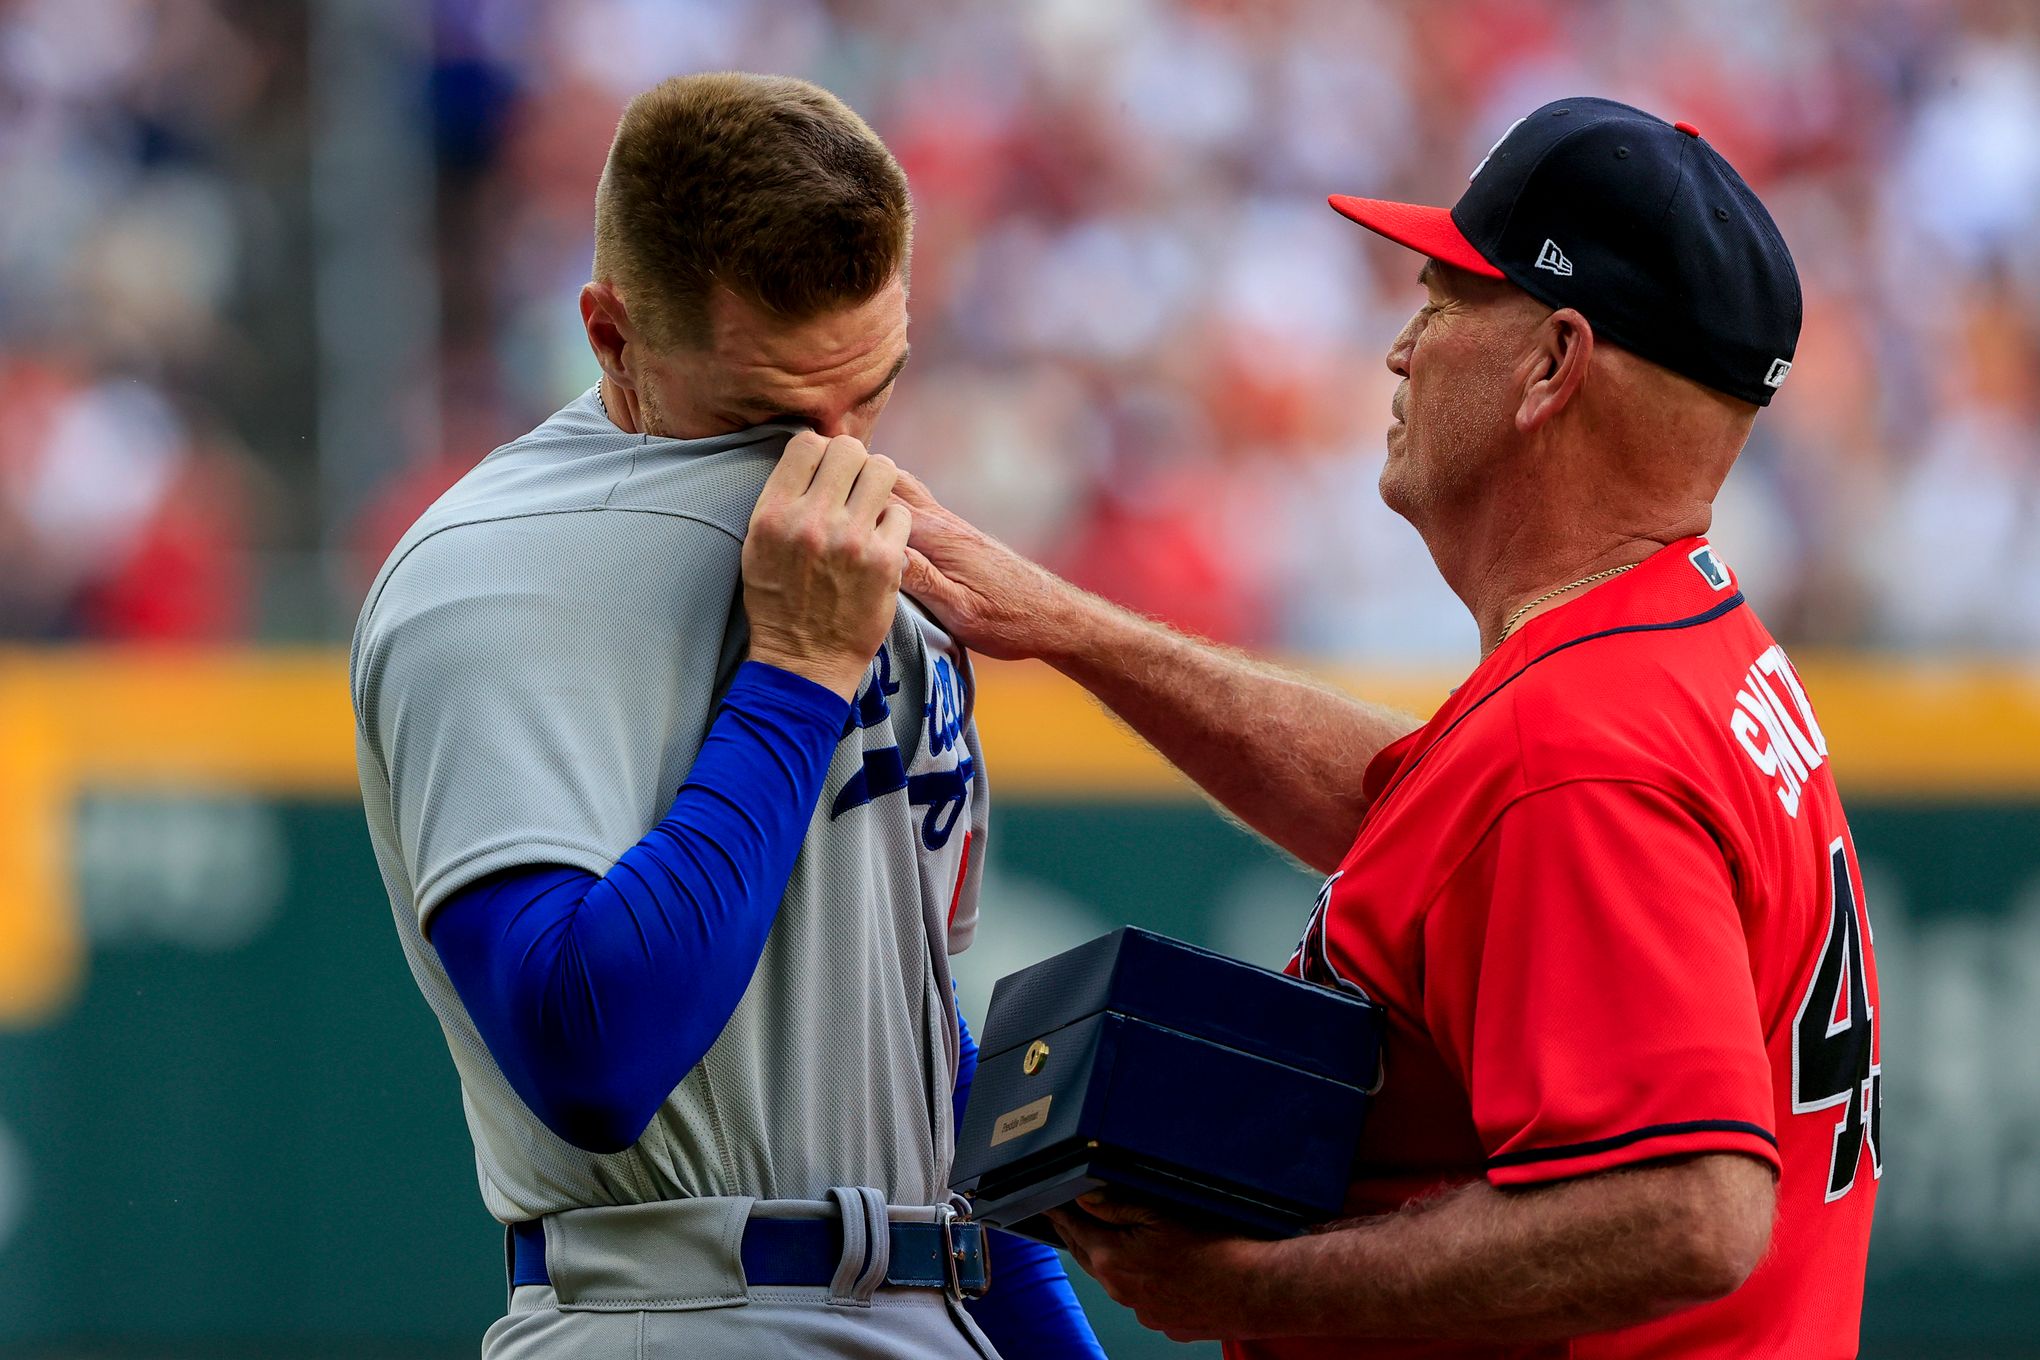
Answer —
(1834, 1038)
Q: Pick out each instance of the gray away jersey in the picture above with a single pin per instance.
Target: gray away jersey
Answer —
(533, 673)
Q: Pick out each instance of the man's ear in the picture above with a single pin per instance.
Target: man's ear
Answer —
(610, 334)
(1554, 368)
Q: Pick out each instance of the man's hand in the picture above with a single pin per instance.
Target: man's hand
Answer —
(822, 561)
(991, 598)
(1282, 752)
(1181, 1281)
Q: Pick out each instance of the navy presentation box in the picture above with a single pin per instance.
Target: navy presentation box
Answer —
(1142, 1063)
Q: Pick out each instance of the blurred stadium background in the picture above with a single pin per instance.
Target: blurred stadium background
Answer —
(274, 272)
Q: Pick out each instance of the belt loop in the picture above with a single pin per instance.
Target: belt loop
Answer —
(950, 1213)
(867, 1246)
(946, 1219)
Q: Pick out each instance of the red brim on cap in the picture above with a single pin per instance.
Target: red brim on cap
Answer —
(1429, 231)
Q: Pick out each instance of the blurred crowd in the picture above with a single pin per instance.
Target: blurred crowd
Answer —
(1144, 349)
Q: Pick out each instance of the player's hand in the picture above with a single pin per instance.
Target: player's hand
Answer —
(988, 596)
(1184, 1282)
(822, 560)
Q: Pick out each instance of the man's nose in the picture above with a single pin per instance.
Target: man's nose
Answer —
(1399, 353)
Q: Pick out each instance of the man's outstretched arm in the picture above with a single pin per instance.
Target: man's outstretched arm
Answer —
(1475, 1264)
(1276, 749)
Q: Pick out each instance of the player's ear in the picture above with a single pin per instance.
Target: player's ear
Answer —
(610, 334)
(1553, 368)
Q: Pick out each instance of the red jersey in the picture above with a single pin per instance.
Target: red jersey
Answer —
(1609, 902)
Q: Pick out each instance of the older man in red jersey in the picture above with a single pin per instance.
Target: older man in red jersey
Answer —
(1606, 894)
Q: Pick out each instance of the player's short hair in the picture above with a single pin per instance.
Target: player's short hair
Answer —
(766, 185)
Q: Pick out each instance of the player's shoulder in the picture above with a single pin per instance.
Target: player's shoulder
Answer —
(579, 501)
(577, 461)
(568, 529)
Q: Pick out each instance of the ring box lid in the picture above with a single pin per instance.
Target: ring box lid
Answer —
(1166, 982)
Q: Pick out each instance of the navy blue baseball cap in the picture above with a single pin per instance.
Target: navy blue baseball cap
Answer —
(1636, 223)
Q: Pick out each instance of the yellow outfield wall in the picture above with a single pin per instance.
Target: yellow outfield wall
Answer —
(277, 722)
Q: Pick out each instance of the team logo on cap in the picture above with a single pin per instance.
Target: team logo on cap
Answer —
(1552, 258)
(1496, 147)
(1779, 368)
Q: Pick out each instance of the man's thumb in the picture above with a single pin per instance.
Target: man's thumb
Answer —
(921, 579)
(908, 488)
(1103, 1206)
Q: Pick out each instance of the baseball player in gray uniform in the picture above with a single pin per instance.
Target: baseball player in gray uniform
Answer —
(680, 807)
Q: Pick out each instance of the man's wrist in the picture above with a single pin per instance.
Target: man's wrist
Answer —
(843, 678)
(1079, 629)
(1278, 1299)
(787, 691)
(1307, 1286)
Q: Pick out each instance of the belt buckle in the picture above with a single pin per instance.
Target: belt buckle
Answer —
(953, 1257)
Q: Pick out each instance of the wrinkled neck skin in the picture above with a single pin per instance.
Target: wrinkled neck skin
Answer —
(1632, 465)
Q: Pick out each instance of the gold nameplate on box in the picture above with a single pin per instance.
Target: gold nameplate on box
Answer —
(1026, 1119)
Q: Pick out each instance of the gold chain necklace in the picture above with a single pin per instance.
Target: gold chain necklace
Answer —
(1509, 624)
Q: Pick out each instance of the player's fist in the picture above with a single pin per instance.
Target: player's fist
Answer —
(822, 560)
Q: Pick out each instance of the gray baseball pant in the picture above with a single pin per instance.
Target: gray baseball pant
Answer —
(665, 1281)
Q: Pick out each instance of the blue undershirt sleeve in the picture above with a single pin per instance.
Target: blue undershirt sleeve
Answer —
(572, 980)
(1030, 1312)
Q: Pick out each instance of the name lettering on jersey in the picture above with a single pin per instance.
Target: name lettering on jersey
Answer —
(943, 792)
(1774, 724)
(945, 708)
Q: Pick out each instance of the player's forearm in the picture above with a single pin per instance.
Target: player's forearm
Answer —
(1280, 751)
(1482, 1264)
(597, 996)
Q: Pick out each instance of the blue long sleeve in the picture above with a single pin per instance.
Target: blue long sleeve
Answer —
(571, 979)
(1030, 1312)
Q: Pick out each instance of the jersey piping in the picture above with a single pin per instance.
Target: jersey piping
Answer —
(1592, 1147)
(1705, 616)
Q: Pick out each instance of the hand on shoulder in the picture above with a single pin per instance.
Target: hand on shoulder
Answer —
(996, 601)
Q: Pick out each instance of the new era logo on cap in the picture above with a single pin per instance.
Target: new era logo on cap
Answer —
(1779, 368)
(1552, 258)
